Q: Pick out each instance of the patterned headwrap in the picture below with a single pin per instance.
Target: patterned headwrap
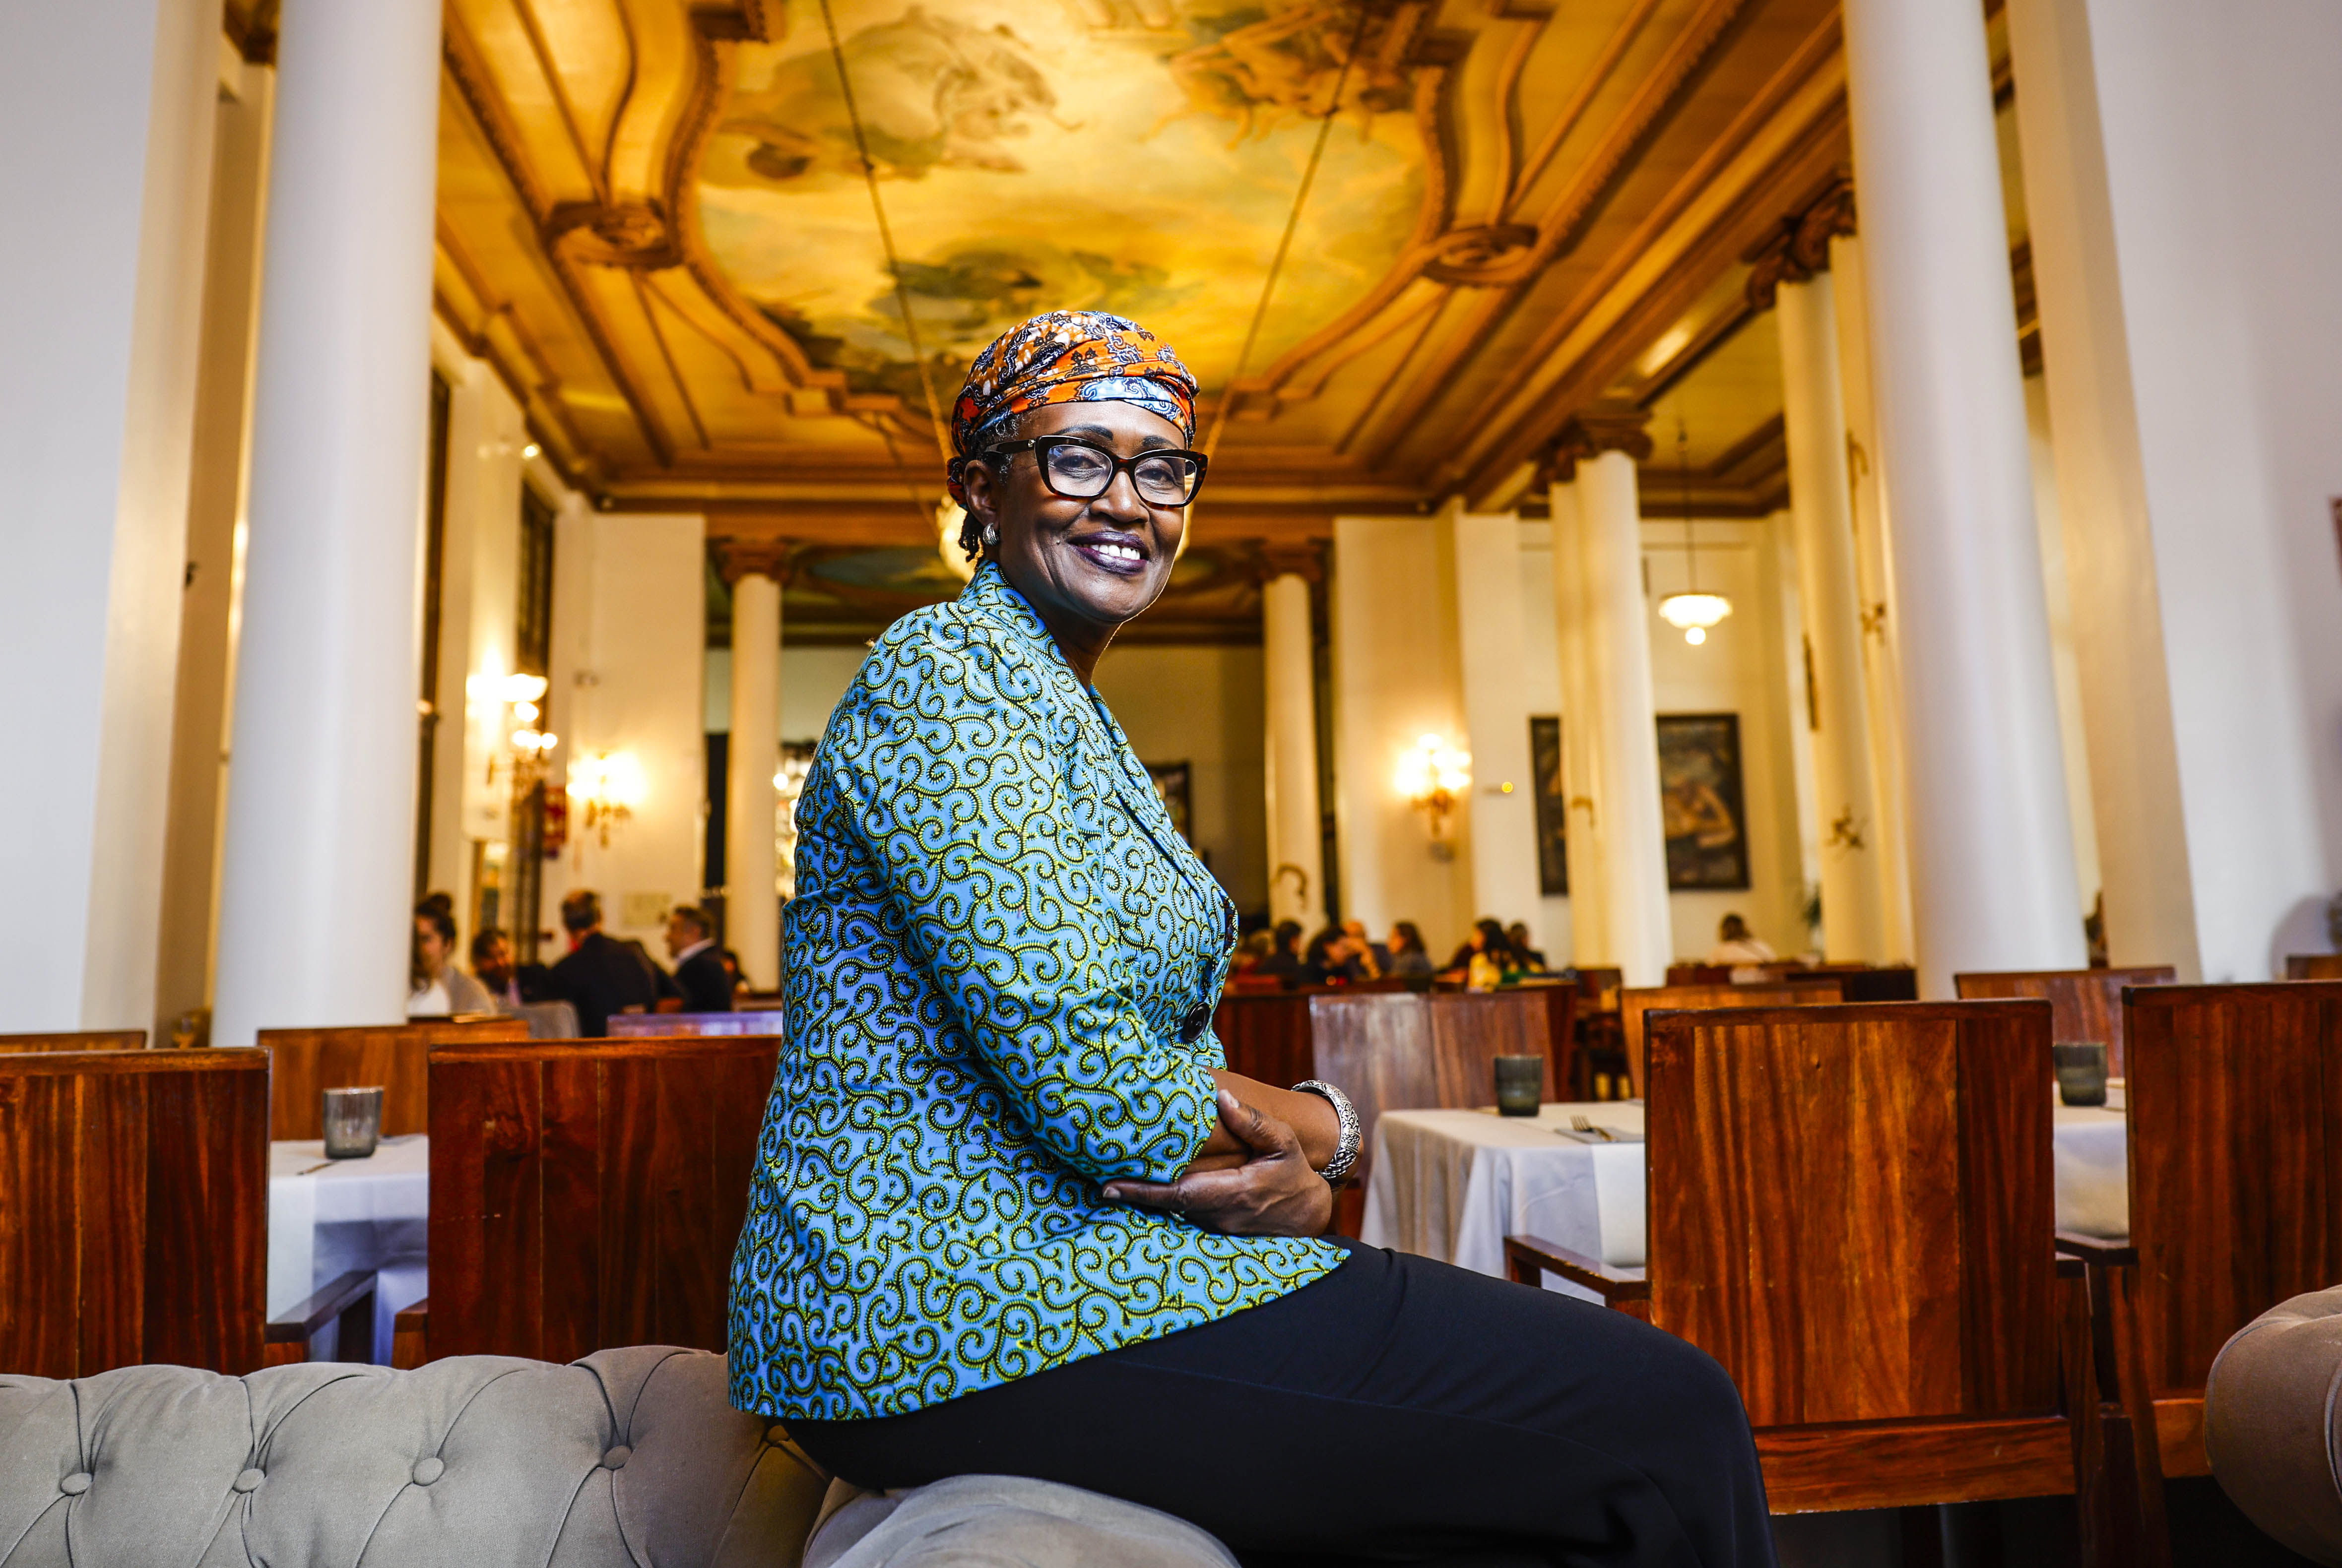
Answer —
(1067, 356)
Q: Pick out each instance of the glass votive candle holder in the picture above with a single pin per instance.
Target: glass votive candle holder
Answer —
(353, 1122)
(2081, 1072)
(1520, 1082)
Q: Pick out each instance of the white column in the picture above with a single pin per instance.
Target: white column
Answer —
(1296, 839)
(1992, 858)
(752, 911)
(1493, 644)
(1821, 508)
(314, 898)
(1882, 671)
(107, 113)
(1621, 730)
(1589, 905)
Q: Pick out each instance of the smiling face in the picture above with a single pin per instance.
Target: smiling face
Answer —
(1086, 567)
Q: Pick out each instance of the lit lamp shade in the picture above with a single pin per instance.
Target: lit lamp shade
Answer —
(1694, 613)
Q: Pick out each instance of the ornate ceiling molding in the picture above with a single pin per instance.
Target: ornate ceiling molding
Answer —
(1798, 247)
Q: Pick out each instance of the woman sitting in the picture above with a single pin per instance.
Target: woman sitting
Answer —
(436, 988)
(1410, 960)
(1012, 1214)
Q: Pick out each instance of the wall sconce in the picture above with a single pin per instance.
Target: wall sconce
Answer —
(526, 748)
(607, 787)
(1431, 778)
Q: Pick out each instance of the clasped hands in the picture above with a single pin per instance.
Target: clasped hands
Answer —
(1254, 1175)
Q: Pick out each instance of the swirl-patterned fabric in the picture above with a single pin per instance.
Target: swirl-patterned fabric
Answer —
(1002, 960)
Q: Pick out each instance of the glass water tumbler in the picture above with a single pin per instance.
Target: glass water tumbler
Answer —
(353, 1122)
(1520, 1080)
(2081, 1072)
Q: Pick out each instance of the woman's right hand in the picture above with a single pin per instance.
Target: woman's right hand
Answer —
(1271, 1192)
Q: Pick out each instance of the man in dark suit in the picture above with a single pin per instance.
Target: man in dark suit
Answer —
(601, 976)
(699, 974)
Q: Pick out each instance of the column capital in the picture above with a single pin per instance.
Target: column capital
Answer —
(1592, 431)
(738, 558)
(1797, 247)
(1304, 560)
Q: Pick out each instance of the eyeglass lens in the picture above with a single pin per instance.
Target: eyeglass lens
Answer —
(1167, 479)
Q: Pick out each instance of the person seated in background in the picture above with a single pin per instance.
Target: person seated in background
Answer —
(1356, 930)
(1334, 957)
(700, 976)
(602, 976)
(1517, 934)
(1283, 960)
(1409, 959)
(1735, 945)
(1253, 951)
(1486, 959)
(509, 984)
(435, 988)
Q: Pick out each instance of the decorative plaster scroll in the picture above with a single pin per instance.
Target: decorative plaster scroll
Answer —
(738, 558)
(1604, 427)
(1799, 246)
(1306, 560)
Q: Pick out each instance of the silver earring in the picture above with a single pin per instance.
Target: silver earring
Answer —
(992, 536)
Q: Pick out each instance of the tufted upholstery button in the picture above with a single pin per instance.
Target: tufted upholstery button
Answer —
(247, 1481)
(616, 1458)
(77, 1483)
(428, 1469)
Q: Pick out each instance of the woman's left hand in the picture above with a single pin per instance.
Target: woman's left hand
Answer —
(1273, 1193)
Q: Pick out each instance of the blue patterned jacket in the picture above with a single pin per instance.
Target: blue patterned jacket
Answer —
(1002, 960)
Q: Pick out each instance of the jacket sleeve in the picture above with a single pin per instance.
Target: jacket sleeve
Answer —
(954, 781)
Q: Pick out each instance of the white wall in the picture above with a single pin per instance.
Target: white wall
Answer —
(1205, 706)
(1499, 675)
(629, 637)
(2220, 225)
(107, 112)
(1541, 690)
(1396, 679)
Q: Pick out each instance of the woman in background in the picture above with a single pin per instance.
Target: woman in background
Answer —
(1409, 960)
(435, 988)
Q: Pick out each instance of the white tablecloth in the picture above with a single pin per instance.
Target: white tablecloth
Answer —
(1452, 1185)
(326, 1217)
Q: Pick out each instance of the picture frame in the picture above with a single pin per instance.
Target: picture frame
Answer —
(1702, 804)
(1552, 797)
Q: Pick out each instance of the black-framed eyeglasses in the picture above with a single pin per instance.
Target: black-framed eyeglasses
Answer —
(1080, 471)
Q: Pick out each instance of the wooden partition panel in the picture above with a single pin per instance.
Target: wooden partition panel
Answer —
(2084, 1004)
(629, 1025)
(305, 1063)
(1853, 1210)
(1266, 1037)
(1469, 1032)
(134, 1210)
(2313, 966)
(1635, 1001)
(2236, 1175)
(587, 1193)
(97, 1040)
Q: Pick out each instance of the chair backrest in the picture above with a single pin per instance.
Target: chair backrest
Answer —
(134, 1210)
(2234, 1104)
(1635, 1001)
(1683, 975)
(586, 1193)
(1469, 1032)
(2313, 966)
(1266, 1037)
(2087, 1003)
(1377, 1049)
(97, 1040)
(305, 1063)
(1852, 1209)
(548, 1020)
(629, 1025)
(1594, 984)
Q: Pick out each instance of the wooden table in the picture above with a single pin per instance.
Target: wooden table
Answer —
(1452, 1185)
(326, 1217)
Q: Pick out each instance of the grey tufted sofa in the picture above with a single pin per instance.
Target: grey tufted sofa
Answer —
(630, 1458)
(2273, 1423)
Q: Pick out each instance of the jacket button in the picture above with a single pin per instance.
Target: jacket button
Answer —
(1191, 1027)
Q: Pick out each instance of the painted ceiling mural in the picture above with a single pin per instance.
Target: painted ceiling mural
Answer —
(1139, 156)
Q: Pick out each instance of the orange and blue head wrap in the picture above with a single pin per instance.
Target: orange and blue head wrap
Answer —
(1067, 356)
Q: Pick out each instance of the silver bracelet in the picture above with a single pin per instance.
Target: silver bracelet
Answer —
(1345, 1150)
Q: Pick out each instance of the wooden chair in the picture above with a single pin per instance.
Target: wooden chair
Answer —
(630, 1025)
(305, 1063)
(95, 1039)
(134, 1204)
(587, 1194)
(1469, 1032)
(2235, 1104)
(1266, 1035)
(1851, 1209)
(2086, 1003)
(2313, 966)
(1682, 974)
(1378, 1051)
(1636, 1000)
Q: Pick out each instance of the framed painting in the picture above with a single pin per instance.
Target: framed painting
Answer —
(1171, 784)
(1701, 804)
(1552, 805)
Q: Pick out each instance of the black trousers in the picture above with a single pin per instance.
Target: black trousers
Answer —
(1397, 1409)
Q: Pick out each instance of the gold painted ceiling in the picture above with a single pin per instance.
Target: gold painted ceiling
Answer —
(654, 219)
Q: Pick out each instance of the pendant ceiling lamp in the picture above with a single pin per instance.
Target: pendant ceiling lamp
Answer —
(1692, 612)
